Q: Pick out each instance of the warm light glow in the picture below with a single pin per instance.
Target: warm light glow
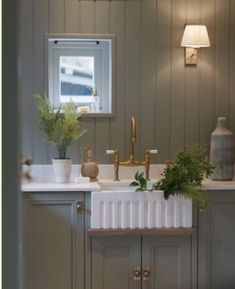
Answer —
(195, 36)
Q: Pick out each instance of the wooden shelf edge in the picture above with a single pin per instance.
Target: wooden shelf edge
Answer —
(141, 232)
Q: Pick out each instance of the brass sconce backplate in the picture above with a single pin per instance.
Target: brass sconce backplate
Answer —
(191, 56)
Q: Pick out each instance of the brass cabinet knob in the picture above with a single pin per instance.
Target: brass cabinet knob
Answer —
(80, 207)
(136, 274)
(146, 274)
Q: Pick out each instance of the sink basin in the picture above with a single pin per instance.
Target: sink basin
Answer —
(119, 206)
(123, 185)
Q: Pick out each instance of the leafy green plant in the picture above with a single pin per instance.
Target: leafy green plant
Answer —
(61, 127)
(140, 182)
(184, 176)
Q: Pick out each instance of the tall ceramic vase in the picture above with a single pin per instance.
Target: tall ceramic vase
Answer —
(222, 151)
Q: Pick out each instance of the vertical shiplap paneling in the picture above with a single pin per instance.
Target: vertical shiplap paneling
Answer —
(72, 25)
(207, 74)
(150, 72)
(132, 102)
(222, 64)
(102, 26)
(56, 25)
(87, 16)
(72, 16)
(163, 79)
(192, 94)
(87, 25)
(56, 16)
(118, 27)
(232, 65)
(25, 77)
(41, 148)
(148, 57)
(178, 14)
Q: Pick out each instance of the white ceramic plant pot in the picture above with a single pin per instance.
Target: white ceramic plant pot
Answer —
(62, 170)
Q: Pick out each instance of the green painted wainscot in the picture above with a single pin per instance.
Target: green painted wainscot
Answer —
(61, 252)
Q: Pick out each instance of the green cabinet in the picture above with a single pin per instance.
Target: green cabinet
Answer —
(53, 245)
(58, 252)
(156, 262)
(166, 261)
(116, 263)
(216, 250)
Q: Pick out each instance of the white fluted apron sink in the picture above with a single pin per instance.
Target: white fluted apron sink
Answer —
(122, 207)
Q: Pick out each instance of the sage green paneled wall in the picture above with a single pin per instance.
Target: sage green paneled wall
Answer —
(174, 105)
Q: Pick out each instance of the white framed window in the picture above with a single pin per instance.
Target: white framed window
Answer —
(82, 68)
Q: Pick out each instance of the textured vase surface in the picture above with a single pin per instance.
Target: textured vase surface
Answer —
(222, 151)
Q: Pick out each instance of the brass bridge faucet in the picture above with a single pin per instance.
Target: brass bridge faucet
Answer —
(132, 162)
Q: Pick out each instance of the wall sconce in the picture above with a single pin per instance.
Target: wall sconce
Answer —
(194, 37)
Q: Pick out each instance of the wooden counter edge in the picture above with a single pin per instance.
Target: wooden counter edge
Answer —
(141, 232)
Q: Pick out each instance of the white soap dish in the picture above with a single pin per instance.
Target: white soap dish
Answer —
(82, 180)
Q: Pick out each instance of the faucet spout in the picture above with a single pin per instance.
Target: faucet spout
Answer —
(133, 136)
(131, 162)
(133, 129)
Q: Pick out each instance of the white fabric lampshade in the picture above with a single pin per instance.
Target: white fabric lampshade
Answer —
(195, 36)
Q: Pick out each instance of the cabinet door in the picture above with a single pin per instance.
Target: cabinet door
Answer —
(114, 260)
(217, 242)
(54, 242)
(167, 260)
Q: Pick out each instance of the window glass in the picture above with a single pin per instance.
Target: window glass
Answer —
(76, 77)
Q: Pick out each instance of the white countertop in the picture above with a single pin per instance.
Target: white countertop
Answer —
(45, 173)
(59, 187)
(210, 185)
(94, 186)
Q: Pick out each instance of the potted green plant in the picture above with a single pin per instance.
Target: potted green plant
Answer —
(184, 176)
(61, 128)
